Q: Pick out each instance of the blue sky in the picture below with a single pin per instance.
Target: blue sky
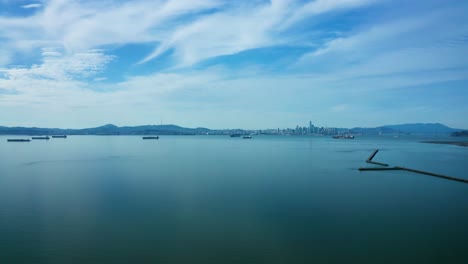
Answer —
(229, 64)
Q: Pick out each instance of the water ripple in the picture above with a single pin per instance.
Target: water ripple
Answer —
(106, 158)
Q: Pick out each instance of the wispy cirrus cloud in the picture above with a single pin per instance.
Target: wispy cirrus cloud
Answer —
(193, 30)
(224, 33)
(432, 41)
(244, 28)
(29, 6)
(58, 66)
(79, 26)
(318, 7)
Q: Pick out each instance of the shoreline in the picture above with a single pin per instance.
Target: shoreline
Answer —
(457, 143)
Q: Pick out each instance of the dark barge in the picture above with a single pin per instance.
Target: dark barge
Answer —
(151, 137)
(46, 138)
(18, 140)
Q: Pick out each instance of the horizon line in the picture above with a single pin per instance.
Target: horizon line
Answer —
(201, 127)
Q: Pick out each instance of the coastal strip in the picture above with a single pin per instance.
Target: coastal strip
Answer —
(457, 143)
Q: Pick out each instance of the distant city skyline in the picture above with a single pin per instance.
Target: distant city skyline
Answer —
(233, 64)
(435, 130)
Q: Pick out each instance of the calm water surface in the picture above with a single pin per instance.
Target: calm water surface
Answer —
(215, 199)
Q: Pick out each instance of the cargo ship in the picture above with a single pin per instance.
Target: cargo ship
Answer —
(344, 136)
(18, 140)
(46, 137)
(59, 136)
(151, 137)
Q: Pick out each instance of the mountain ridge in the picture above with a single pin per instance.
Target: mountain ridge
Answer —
(170, 129)
(108, 129)
(408, 128)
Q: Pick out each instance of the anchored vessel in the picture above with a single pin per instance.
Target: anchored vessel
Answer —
(46, 137)
(18, 140)
(59, 136)
(344, 136)
(247, 137)
(151, 137)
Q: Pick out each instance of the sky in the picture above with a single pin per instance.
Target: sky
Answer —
(233, 64)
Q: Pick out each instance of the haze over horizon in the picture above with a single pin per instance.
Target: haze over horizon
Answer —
(418, 125)
(227, 64)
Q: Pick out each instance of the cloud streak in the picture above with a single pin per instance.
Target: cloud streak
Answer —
(56, 66)
(29, 6)
(248, 27)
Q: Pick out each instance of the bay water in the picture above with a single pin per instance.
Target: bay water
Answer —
(216, 199)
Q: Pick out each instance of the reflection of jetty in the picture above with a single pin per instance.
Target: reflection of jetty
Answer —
(416, 171)
(151, 137)
(457, 143)
(46, 138)
(18, 140)
(59, 136)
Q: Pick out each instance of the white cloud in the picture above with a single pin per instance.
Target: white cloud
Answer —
(73, 40)
(430, 42)
(29, 6)
(82, 25)
(224, 33)
(339, 108)
(200, 97)
(376, 38)
(100, 79)
(195, 30)
(5, 57)
(55, 83)
(58, 66)
(323, 6)
(248, 27)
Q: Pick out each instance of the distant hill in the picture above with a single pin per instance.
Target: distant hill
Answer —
(420, 128)
(108, 129)
(416, 128)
